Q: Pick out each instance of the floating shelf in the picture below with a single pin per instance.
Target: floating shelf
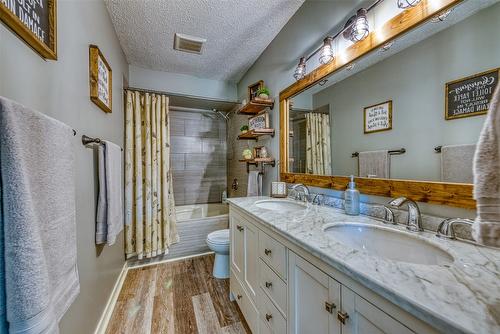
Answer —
(256, 106)
(255, 134)
(256, 161)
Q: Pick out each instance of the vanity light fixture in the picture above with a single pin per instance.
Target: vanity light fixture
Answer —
(300, 71)
(356, 29)
(326, 54)
(403, 4)
(323, 82)
(360, 28)
(441, 16)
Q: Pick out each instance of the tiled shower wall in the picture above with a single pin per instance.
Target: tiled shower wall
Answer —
(198, 148)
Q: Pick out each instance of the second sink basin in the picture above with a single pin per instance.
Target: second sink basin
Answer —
(279, 205)
(388, 243)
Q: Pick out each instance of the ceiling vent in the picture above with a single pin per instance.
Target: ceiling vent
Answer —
(187, 43)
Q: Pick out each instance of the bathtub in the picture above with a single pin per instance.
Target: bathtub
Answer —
(194, 223)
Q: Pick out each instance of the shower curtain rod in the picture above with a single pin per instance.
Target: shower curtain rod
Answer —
(178, 95)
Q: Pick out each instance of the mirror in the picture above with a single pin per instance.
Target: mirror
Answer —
(410, 110)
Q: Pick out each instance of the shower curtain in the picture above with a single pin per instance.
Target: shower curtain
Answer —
(150, 222)
(318, 156)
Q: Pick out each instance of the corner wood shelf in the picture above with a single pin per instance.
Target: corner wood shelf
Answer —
(256, 161)
(256, 106)
(255, 134)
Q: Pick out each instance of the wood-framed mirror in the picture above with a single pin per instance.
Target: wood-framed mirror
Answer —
(400, 110)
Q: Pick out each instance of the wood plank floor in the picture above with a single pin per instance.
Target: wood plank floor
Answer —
(176, 297)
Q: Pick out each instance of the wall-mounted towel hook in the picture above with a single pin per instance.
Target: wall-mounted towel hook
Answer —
(74, 132)
(437, 149)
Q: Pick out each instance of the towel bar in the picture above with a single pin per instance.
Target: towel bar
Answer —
(86, 140)
(392, 152)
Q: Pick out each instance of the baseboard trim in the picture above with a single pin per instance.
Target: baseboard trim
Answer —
(102, 325)
(169, 260)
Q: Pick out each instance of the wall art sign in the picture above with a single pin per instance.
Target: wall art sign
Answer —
(35, 21)
(470, 96)
(378, 117)
(252, 89)
(100, 79)
(260, 121)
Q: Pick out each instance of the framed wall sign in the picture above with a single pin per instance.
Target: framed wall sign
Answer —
(470, 96)
(252, 89)
(100, 76)
(260, 121)
(35, 21)
(378, 117)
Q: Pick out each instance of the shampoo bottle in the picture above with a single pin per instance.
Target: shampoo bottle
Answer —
(351, 198)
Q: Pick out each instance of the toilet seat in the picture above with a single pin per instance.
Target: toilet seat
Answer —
(220, 237)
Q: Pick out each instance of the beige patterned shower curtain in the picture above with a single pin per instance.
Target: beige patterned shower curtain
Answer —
(318, 154)
(150, 223)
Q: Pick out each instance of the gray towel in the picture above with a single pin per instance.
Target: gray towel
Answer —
(253, 184)
(456, 163)
(101, 228)
(38, 215)
(374, 164)
(486, 229)
(114, 203)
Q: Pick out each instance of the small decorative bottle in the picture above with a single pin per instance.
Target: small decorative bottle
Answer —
(351, 199)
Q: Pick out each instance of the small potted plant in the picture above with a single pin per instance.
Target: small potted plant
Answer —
(244, 129)
(263, 93)
(247, 154)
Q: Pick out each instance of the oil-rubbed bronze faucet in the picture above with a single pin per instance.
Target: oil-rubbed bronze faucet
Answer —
(414, 222)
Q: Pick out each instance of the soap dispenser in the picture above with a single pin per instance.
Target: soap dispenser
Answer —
(351, 199)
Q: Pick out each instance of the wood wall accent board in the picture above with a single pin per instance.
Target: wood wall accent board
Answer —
(38, 26)
(452, 194)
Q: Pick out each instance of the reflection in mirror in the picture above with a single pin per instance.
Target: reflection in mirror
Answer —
(412, 110)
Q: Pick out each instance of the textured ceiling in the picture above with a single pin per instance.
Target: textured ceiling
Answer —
(236, 31)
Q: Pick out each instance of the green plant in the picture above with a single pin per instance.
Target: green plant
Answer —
(244, 128)
(263, 90)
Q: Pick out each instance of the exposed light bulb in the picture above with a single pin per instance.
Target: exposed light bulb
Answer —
(300, 71)
(360, 28)
(326, 54)
(403, 4)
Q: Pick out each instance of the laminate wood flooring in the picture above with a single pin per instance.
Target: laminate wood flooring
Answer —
(178, 297)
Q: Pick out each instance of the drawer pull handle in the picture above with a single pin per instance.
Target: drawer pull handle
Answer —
(239, 296)
(269, 316)
(239, 227)
(269, 284)
(330, 306)
(342, 317)
(267, 251)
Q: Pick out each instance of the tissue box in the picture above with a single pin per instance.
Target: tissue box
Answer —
(278, 189)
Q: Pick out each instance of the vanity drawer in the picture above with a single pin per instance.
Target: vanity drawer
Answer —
(270, 315)
(272, 286)
(273, 253)
(244, 302)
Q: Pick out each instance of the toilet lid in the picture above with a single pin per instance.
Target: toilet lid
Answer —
(219, 237)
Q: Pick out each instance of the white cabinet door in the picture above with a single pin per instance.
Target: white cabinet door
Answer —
(361, 317)
(250, 273)
(237, 245)
(313, 298)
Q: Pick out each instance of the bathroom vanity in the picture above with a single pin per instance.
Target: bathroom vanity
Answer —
(298, 268)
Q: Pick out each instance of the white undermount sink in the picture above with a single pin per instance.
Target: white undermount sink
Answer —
(388, 243)
(279, 205)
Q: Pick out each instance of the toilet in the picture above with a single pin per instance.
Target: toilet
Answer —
(218, 241)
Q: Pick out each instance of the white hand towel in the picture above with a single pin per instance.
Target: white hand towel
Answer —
(253, 183)
(486, 229)
(456, 163)
(374, 164)
(38, 216)
(114, 203)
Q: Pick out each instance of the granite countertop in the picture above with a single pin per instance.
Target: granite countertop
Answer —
(463, 297)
